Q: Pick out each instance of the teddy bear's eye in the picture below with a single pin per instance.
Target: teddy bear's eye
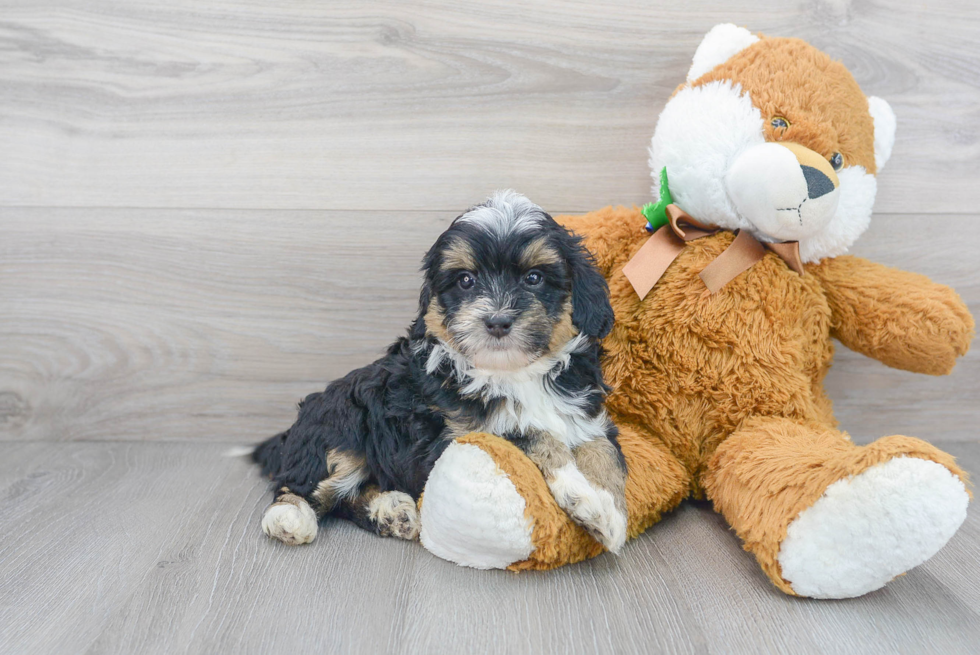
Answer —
(779, 123)
(837, 161)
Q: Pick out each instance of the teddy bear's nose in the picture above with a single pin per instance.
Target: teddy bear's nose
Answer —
(817, 184)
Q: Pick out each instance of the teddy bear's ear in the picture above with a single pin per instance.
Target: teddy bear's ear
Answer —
(885, 124)
(718, 46)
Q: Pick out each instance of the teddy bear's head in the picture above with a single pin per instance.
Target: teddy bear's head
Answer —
(773, 136)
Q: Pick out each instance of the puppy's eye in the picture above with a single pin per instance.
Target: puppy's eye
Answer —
(466, 280)
(533, 278)
(779, 123)
(837, 161)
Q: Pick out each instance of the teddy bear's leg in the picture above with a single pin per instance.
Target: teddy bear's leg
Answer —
(828, 519)
(486, 505)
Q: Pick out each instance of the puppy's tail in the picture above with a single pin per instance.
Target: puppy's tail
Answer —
(239, 451)
(268, 454)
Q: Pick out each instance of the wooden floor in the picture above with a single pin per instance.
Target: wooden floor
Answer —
(115, 547)
(208, 210)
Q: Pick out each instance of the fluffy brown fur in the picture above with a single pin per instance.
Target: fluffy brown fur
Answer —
(827, 114)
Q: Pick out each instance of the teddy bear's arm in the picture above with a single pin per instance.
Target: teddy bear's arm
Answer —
(902, 319)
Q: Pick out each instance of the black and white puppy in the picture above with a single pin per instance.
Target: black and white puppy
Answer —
(506, 342)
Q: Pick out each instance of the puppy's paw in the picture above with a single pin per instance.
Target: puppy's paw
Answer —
(291, 520)
(395, 515)
(611, 528)
(593, 509)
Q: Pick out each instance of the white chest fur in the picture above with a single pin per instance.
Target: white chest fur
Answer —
(530, 402)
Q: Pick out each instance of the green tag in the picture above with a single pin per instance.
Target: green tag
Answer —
(656, 212)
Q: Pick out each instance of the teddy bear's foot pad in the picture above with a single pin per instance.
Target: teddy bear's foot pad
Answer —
(867, 529)
(471, 512)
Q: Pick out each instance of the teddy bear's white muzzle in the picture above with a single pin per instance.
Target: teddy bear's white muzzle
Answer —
(782, 198)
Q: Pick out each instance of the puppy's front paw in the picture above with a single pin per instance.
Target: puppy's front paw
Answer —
(291, 520)
(593, 509)
(395, 515)
(611, 528)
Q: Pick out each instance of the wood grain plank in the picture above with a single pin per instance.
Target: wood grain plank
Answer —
(188, 311)
(872, 400)
(84, 524)
(174, 325)
(156, 548)
(405, 105)
(609, 605)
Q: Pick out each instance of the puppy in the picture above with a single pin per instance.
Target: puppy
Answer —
(507, 342)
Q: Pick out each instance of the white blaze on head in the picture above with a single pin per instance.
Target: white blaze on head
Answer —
(504, 213)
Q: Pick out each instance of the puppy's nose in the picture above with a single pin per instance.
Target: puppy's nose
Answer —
(499, 326)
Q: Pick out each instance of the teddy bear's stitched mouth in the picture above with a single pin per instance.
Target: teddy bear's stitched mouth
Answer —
(798, 209)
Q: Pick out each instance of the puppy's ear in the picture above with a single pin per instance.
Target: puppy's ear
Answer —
(591, 312)
(429, 263)
(417, 331)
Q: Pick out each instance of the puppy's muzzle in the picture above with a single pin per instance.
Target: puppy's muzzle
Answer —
(499, 325)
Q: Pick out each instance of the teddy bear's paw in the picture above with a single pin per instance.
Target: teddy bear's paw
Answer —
(867, 529)
(395, 515)
(472, 514)
(291, 520)
(593, 509)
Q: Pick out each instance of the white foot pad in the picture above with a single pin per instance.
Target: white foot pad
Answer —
(471, 512)
(867, 529)
(291, 523)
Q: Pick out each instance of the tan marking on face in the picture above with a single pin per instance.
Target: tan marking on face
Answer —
(530, 325)
(470, 315)
(458, 255)
(468, 325)
(564, 330)
(538, 253)
(535, 316)
(434, 318)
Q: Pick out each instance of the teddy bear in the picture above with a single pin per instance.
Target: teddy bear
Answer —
(727, 295)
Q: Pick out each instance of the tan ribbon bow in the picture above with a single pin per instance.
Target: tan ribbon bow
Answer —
(651, 261)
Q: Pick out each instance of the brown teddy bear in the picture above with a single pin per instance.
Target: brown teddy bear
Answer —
(765, 161)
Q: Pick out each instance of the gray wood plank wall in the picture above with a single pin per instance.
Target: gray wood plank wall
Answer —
(209, 209)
